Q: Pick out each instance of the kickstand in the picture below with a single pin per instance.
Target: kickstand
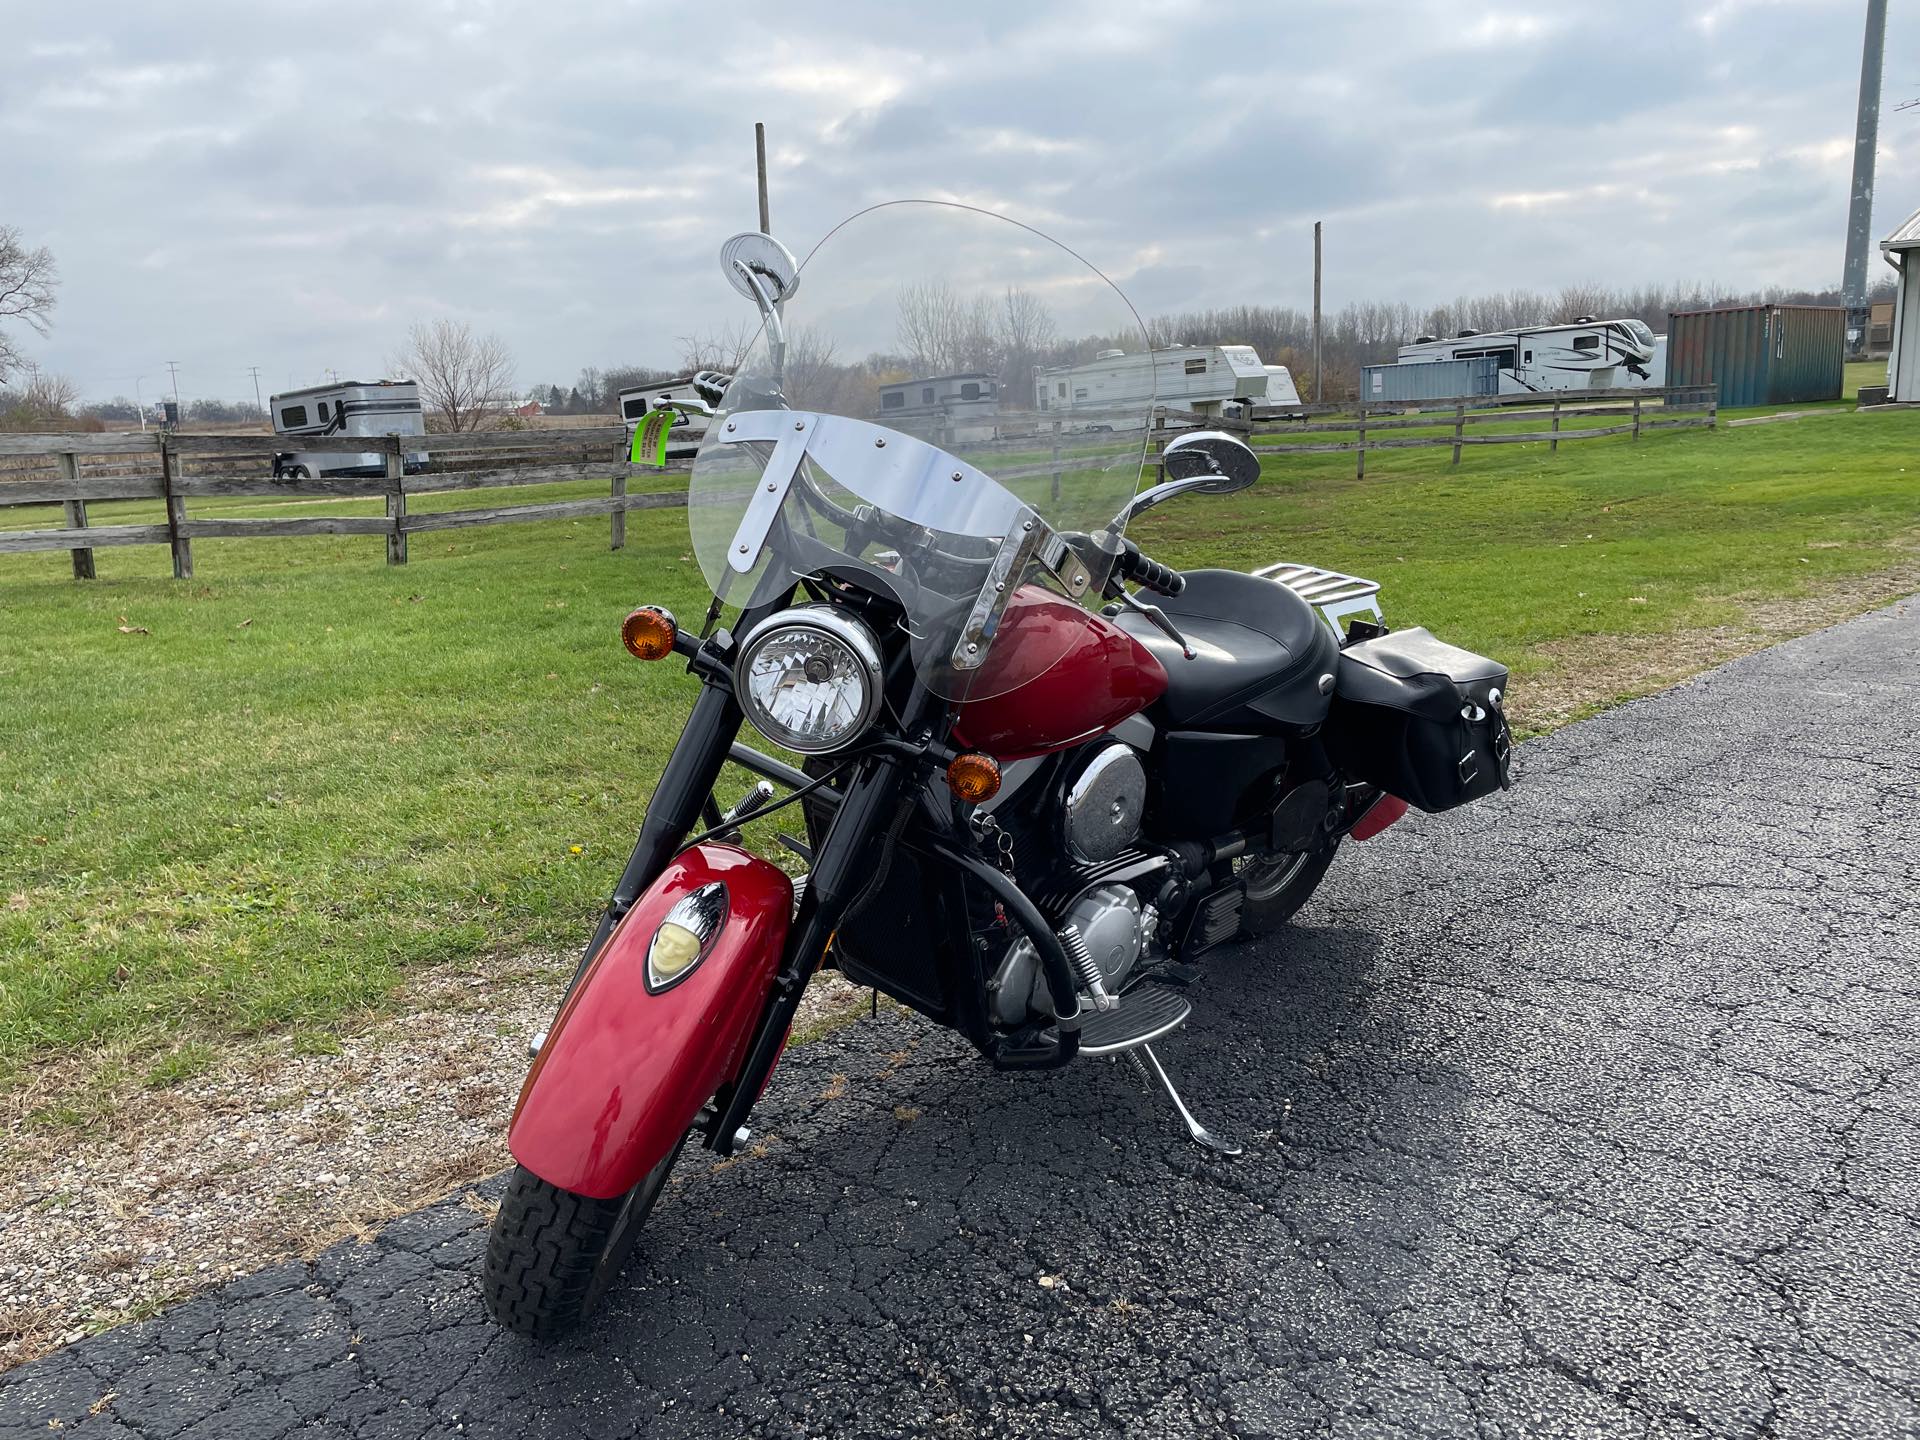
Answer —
(1149, 1066)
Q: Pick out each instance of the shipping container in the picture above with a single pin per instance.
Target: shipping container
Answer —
(1433, 380)
(1759, 354)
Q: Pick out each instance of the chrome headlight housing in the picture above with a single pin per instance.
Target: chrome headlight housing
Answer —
(809, 678)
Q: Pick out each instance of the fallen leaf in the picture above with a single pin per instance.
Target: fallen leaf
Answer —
(135, 630)
(244, 623)
(1636, 599)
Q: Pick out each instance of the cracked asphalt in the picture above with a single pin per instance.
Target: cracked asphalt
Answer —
(1593, 1110)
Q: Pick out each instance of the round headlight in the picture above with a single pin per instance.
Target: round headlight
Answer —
(809, 678)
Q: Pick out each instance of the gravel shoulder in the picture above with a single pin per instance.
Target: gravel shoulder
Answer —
(272, 1154)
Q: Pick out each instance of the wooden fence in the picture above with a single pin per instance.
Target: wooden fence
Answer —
(73, 470)
(1372, 424)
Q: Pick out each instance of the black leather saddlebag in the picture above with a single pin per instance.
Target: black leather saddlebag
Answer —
(1421, 719)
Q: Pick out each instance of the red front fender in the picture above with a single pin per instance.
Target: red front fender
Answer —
(624, 1072)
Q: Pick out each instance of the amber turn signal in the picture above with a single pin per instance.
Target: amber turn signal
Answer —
(974, 778)
(648, 632)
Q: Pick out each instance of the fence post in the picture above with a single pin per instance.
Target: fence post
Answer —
(396, 501)
(76, 511)
(1360, 446)
(181, 546)
(1636, 417)
(1459, 424)
(1713, 406)
(620, 505)
(1056, 459)
(1553, 445)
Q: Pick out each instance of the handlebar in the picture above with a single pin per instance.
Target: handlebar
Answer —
(1136, 565)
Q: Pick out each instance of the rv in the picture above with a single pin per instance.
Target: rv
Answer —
(1589, 354)
(964, 407)
(1655, 370)
(689, 426)
(347, 407)
(1282, 393)
(1202, 378)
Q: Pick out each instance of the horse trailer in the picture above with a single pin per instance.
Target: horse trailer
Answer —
(347, 407)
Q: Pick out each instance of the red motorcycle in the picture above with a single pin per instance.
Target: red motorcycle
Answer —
(1032, 800)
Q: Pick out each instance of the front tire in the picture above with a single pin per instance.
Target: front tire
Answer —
(1277, 886)
(552, 1253)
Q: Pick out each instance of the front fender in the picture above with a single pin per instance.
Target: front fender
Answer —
(624, 1072)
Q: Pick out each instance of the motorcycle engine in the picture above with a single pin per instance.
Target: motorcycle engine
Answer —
(1114, 925)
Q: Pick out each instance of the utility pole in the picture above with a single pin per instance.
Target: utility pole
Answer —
(140, 402)
(256, 389)
(1319, 385)
(173, 369)
(1860, 208)
(760, 164)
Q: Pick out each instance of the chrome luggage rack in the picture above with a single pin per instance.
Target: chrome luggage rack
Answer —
(1334, 595)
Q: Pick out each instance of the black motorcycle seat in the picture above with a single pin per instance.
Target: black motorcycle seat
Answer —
(1259, 652)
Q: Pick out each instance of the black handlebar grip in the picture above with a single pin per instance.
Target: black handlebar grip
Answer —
(1134, 564)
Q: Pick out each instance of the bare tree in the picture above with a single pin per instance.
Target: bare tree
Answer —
(463, 377)
(1027, 337)
(942, 333)
(724, 348)
(27, 281)
(36, 400)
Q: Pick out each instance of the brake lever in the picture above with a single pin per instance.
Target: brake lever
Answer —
(1157, 618)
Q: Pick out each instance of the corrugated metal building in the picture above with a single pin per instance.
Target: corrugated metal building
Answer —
(1903, 352)
(1431, 380)
(1760, 354)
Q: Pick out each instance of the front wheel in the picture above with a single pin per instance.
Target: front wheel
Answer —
(1277, 886)
(552, 1253)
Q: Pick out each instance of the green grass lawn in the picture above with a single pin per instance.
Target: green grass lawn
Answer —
(308, 774)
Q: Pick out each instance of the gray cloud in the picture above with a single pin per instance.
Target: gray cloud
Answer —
(289, 186)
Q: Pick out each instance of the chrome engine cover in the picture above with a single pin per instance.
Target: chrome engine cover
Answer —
(1108, 918)
(1104, 805)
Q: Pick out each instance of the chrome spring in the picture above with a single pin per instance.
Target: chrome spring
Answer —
(1086, 967)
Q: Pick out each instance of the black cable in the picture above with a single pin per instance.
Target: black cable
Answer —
(768, 809)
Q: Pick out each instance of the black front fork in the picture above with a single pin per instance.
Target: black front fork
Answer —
(842, 867)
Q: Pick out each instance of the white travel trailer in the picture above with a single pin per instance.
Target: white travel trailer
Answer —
(347, 407)
(1656, 369)
(690, 423)
(966, 407)
(1282, 393)
(1589, 354)
(1201, 378)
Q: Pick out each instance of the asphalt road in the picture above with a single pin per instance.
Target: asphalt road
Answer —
(1592, 1111)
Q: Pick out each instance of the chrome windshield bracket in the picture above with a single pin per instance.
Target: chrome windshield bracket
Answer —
(789, 431)
(1009, 563)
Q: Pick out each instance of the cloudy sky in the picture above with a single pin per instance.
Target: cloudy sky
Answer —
(289, 186)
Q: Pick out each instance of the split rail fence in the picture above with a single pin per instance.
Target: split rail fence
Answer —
(72, 470)
(1374, 425)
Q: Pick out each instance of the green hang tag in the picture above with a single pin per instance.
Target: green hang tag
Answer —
(650, 440)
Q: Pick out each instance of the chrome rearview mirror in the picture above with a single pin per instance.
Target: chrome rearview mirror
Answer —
(1209, 462)
(1221, 462)
(763, 270)
(760, 267)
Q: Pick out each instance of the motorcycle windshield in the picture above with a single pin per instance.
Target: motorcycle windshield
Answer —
(951, 408)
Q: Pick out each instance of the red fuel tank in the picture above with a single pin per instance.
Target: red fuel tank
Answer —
(1057, 675)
